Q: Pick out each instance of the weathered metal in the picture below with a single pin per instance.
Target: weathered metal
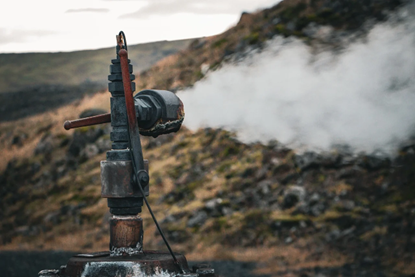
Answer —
(117, 180)
(148, 263)
(126, 235)
(93, 120)
(125, 180)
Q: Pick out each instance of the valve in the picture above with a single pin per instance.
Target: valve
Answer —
(158, 112)
(125, 180)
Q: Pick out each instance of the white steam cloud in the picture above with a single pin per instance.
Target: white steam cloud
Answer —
(363, 97)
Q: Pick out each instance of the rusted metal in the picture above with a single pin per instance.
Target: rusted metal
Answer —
(126, 235)
(133, 131)
(148, 263)
(125, 179)
(117, 180)
(88, 121)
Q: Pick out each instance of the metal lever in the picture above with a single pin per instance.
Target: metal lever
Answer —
(88, 121)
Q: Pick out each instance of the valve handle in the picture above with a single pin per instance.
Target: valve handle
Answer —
(88, 121)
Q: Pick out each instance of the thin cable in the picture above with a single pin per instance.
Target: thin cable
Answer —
(121, 33)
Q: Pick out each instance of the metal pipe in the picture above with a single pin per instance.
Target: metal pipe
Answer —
(93, 120)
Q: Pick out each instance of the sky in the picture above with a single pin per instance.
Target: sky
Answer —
(53, 26)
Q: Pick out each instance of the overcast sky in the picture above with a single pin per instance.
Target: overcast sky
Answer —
(51, 25)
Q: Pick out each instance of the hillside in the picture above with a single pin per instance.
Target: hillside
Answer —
(310, 214)
(22, 71)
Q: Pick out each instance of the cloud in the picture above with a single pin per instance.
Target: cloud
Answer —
(87, 10)
(19, 36)
(169, 7)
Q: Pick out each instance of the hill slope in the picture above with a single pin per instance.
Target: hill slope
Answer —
(332, 214)
(19, 71)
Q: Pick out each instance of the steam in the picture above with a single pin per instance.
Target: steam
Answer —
(363, 97)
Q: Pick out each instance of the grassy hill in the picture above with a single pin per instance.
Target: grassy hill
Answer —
(20, 71)
(332, 214)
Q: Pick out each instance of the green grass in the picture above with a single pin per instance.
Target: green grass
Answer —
(18, 71)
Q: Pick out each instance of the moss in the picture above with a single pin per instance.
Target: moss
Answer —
(85, 129)
(224, 166)
(252, 38)
(327, 16)
(280, 29)
(220, 224)
(215, 65)
(328, 215)
(199, 74)
(302, 22)
(176, 171)
(230, 150)
(219, 43)
(285, 217)
(290, 13)
(376, 231)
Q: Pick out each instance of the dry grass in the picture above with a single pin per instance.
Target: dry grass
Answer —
(36, 126)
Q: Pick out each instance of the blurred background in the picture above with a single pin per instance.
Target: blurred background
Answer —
(297, 154)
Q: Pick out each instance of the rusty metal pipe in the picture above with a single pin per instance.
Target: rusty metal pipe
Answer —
(93, 120)
(126, 235)
(133, 130)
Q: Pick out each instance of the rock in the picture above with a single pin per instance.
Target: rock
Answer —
(52, 217)
(213, 204)
(288, 240)
(348, 231)
(276, 20)
(177, 235)
(227, 211)
(289, 177)
(197, 43)
(293, 195)
(311, 29)
(316, 210)
(335, 234)
(290, 26)
(261, 173)
(23, 230)
(348, 172)
(315, 197)
(307, 160)
(204, 68)
(168, 219)
(45, 145)
(346, 205)
(264, 187)
(90, 151)
(302, 208)
(83, 137)
(18, 140)
(198, 219)
(275, 161)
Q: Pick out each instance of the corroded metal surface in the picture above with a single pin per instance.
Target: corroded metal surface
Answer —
(146, 263)
(92, 120)
(125, 179)
(126, 235)
(117, 180)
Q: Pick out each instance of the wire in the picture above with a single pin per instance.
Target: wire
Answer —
(121, 33)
